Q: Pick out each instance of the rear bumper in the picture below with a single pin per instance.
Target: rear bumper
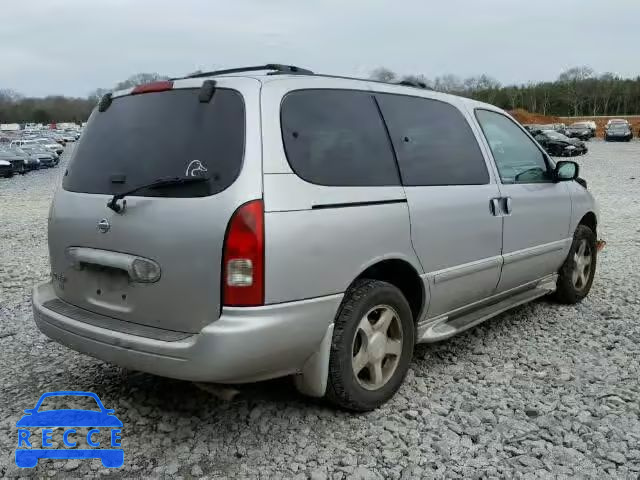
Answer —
(243, 345)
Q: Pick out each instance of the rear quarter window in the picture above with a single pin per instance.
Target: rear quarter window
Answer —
(142, 138)
(337, 138)
(433, 141)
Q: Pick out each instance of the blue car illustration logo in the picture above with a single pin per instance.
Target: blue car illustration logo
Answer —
(28, 453)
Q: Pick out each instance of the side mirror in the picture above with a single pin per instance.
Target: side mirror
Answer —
(566, 170)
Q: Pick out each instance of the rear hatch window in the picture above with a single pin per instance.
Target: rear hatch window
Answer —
(143, 138)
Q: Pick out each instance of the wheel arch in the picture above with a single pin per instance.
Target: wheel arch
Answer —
(590, 220)
(403, 275)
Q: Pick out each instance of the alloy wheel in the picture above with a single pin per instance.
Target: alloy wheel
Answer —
(377, 347)
(582, 268)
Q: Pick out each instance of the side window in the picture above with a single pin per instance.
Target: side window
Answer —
(518, 159)
(337, 138)
(433, 142)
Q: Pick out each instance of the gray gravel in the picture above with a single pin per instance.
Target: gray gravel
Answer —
(544, 391)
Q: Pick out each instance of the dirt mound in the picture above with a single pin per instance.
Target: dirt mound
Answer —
(527, 117)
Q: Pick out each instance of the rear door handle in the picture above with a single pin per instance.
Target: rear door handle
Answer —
(507, 205)
(494, 207)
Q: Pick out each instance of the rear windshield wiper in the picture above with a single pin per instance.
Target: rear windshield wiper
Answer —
(159, 183)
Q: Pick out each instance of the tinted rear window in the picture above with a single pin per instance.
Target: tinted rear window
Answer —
(142, 138)
(337, 138)
(433, 142)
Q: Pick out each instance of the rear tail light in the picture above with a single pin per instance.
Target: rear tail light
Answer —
(243, 257)
(152, 87)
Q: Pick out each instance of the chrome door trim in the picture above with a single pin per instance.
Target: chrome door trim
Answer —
(535, 251)
(458, 271)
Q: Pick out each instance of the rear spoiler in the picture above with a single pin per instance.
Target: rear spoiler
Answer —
(206, 92)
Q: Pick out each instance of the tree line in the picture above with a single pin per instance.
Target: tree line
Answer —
(578, 91)
(16, 108)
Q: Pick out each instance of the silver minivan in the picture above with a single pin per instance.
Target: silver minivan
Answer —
(260, 222)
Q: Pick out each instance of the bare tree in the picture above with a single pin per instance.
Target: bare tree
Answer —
(383, 74)
(9, 96)
(606, 88)
(448, 83)
(97, 94)
(573, 79)
(514, 96)
(545, 97)
(532, 90)
(480, 83)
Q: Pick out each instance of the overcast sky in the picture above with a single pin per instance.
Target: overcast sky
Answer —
(71, 47)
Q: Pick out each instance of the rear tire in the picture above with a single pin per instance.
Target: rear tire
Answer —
(578, 270)
(372, 346)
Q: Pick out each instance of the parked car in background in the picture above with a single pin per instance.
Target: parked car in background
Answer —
(51, 145)
(58, 138)
(6, 169)
(614, 121)
(593, 126)
(580, 130)
(17, 162)
(32, 161)
(556, 127)
(487, 224)
(560, 128)
(560, 145)
(45, 157)
(618, 131)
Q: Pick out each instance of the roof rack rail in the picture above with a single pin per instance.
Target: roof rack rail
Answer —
(411, 83)
(408, 83)
(272, 67)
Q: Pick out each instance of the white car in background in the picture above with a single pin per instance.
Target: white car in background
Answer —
(616, 120)
(50, 144)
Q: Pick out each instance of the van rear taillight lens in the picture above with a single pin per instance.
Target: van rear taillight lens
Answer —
(243, 257)
(152, 87)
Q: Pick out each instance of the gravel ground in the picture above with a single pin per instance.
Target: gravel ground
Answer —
(543, 391)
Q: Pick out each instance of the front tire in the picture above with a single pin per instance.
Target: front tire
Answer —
(578, 270)
(372, 346)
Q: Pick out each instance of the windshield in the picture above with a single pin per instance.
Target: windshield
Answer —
(141, 138)
(579, 125)
(555, 135)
